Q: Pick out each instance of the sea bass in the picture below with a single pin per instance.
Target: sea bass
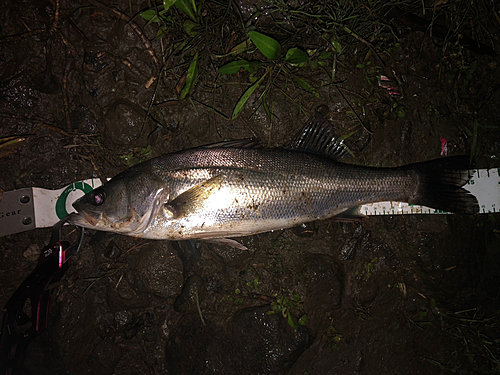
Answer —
(228, 190)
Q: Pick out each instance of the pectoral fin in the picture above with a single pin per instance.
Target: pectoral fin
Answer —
(193, 198)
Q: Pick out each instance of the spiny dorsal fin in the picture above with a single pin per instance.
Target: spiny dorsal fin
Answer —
(240, 143)
(318, 137)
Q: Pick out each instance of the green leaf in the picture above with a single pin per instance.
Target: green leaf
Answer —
(149, 14)
(145, 152)
(304, 83)
(291, 322)
(191, 78)
(137, 156)
(234, 67)
(303, 320)
(254, 66)
(266, 109)
(168, 3)
(180, 46)
(432, 303)
(324, 55)
(186, 7)
(246, 95)
(336, 46)
(267, 45)
(191, 28)
(242, 47)
(296, 56)
(162, 31)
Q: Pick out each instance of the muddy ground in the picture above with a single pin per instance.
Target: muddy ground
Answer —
(400, 295)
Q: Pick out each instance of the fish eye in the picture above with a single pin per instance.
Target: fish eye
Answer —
(98, 197)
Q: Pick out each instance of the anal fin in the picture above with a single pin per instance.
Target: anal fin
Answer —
(226, 242)
(352, 214)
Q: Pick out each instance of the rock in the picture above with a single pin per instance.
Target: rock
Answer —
(251, 342)
(158, 271)
(124, 124)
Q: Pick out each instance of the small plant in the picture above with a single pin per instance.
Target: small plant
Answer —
(333, 337)
(370, 71)
(254, 283)
(137, 155)
(276, 65)
(369, 267)
(160, 14)
(237, 299)
(285, 304)
(395, 111)
(461, 77)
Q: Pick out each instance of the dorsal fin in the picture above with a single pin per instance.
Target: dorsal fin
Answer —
(318, 137)
(240, 143)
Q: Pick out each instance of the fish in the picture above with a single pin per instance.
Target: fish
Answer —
(235, 188)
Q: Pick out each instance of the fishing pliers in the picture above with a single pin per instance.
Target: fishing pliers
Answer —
(19, 326)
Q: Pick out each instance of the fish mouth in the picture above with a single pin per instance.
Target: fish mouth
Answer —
(83, 219)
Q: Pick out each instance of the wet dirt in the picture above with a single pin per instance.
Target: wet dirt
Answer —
(404, 295)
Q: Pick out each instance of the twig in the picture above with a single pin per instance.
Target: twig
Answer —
(133, 25)
(350, 106)
(70, 21)
(368, 44)
(351, 92)
(55, 22)
(119, 280)
(54, 128)
(26, 34)
(4, 142)
(213, 109)
(65, 96)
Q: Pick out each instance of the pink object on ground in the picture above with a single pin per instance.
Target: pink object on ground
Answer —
(444, 146)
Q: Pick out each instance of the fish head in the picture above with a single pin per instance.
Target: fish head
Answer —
(120, 205)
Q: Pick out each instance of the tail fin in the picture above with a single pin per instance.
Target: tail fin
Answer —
(440, 185)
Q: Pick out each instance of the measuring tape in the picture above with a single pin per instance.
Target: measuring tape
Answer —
(31, 208)
(484, 185)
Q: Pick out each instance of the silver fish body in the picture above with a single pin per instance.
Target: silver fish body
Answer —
(229, 192)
